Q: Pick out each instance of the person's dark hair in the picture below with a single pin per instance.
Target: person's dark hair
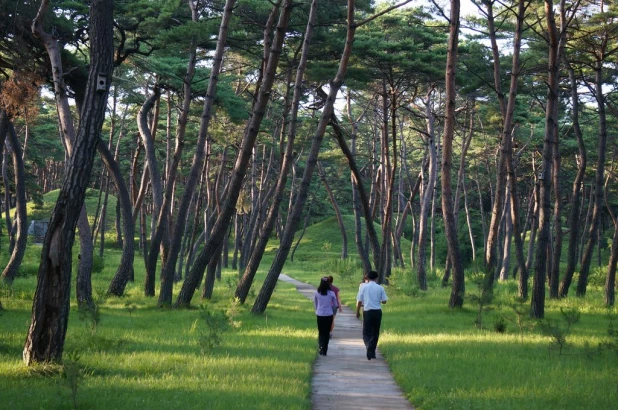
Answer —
(324, 286)
(330, 279)
(372, 275)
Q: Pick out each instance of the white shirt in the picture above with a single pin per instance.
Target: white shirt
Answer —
(371, 295)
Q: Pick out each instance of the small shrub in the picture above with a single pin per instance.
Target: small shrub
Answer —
(131, 307)
(558, 332)
(597, 277)
(72, 374)
(482, 299)
(521, 316)
(412, 290)
(233, 311)
(231, 282)
(500, 325)
(211, 326)
(91, 317)
(327, 246)
(612, 337)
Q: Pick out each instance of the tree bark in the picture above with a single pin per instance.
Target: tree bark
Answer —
(505, 157)
(574, 221)
(543, 252)
(21, 234)
(427, 197)
(450, 225)
(582, 282)
(50, 312)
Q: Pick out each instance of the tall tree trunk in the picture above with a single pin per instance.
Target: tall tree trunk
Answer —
(428, 193)
(50, 312)
(450, 225)
(505, 157)
(543, 252)
(574, 216)
(356, 205)
(155, 184)
(240, 167)
(582, 283)
(169, 267)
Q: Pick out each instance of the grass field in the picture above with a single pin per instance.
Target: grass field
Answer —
(130, 354)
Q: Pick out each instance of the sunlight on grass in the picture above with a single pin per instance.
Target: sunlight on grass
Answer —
(141, 356)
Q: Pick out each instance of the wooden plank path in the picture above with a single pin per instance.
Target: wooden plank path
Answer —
(345, 379)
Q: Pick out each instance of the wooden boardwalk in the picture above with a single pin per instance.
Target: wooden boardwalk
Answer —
(345, 379)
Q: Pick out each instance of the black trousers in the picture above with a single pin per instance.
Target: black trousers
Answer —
(324, 323)
(372, 319)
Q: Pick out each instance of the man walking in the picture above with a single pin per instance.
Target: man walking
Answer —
(370, 297)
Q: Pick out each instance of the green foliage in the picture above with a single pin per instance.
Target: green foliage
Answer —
(611, 342)
(342, 269)
(210, 328)
(558, 331)
(91, 317)
(522, 317)
(500, 325)
(482, 299)
(72, 374)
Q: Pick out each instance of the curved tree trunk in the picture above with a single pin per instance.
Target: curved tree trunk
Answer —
(302, 233)
(125, 271)
(84, 271)
(155, 183)
(21, 235)
(50, 312)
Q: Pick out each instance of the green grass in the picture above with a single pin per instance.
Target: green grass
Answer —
(441, 360)
(138, 355)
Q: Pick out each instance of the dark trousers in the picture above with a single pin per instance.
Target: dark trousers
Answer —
(371, 328)
(324, 323)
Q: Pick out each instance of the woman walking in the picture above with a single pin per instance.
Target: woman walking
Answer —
(335, 308)
(324, 301)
